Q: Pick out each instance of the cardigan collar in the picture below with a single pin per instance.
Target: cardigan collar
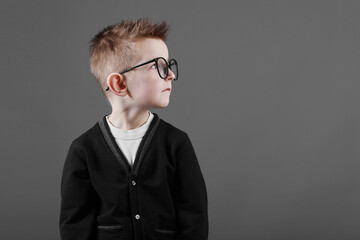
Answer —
(143, 147)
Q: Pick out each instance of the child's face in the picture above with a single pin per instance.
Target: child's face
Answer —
(145, 86)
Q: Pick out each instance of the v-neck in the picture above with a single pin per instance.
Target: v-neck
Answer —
(144, 144)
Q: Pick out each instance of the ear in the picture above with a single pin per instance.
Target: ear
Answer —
(117, 84)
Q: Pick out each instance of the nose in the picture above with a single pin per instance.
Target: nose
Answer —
(171, 75)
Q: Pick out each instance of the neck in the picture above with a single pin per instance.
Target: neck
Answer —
(129, 119)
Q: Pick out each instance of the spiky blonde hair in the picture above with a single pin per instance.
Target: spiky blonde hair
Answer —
(113, 49)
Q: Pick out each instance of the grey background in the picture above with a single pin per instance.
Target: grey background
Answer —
(268, 93)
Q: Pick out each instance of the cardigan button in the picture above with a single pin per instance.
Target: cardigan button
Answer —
(133, 183)
(137, 216)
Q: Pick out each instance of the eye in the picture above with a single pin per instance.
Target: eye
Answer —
(153, 66)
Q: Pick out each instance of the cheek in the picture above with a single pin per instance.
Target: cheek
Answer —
(146, 88)
(147, 91)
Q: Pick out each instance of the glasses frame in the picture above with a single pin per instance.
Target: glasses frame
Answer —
(168, 66)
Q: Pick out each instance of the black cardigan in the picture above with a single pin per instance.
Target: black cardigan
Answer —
(163, 196)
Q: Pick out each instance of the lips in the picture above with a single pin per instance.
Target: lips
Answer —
(168, 89)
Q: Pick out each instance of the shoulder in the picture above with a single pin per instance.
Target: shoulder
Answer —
(75, 158)
(172, 131)
(171, 137)
(88, 137)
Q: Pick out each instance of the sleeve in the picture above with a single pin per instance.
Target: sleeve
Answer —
(191, 195)
(78, 198)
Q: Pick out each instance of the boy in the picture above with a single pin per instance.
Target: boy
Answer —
(133, 176)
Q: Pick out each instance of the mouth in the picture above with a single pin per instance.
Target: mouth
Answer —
(168, 89)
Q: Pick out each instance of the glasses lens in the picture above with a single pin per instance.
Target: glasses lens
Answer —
(162, 68)
(174, 68)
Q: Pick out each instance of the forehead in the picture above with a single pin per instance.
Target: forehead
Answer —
(150, 48)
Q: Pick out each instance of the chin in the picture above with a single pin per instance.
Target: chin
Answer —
(161, 105)
(164, 106)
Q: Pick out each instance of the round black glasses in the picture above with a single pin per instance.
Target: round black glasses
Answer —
(162, 67)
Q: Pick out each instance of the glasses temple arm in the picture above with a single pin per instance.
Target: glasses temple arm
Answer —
(138, 66)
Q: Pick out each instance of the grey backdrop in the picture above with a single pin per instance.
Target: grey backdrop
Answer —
(268, 93)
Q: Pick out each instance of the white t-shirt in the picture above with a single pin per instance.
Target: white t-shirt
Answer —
(129, 140)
